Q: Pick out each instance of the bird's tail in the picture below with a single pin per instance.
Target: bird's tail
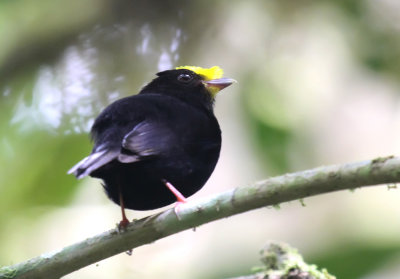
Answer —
(92, 162)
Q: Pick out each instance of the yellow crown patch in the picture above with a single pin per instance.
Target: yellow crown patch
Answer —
(208, 74)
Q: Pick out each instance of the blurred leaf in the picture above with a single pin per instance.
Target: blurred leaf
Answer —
(37, 174)
(351, 262)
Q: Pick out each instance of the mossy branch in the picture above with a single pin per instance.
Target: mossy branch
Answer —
(269, 192)
(281, 261)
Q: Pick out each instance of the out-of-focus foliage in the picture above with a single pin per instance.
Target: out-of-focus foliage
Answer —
(318, 84)
(359, 262)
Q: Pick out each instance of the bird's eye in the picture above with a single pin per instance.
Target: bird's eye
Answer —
(185, 78)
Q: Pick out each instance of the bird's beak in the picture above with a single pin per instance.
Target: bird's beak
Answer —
(216, 85)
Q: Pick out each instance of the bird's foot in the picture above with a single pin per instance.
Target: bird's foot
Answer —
(122, 225)
(177, 208)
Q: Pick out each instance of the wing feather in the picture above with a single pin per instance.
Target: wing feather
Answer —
(93, 162)
(146, 139)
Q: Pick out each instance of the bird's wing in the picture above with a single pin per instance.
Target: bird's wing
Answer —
(93, 161)
(147, 139)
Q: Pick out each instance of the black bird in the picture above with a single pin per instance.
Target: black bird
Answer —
(160, 145)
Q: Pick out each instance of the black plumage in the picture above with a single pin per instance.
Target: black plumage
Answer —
(166, 133)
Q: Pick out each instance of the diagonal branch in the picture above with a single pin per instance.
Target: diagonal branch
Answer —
(271, 191)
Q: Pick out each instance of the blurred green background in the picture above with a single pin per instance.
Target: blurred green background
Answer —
(318, 83)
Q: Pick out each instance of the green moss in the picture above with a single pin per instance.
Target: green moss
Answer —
(276, 206)
(281, 261)
(7, 272)
(382, 159)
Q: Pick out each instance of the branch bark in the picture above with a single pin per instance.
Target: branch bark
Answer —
(268, 192)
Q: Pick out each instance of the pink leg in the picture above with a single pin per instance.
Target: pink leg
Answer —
(179, 197)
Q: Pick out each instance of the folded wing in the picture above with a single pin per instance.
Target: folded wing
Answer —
(146, 140)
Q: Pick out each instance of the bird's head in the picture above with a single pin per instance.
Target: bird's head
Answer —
(190, 83)
(211, 78)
